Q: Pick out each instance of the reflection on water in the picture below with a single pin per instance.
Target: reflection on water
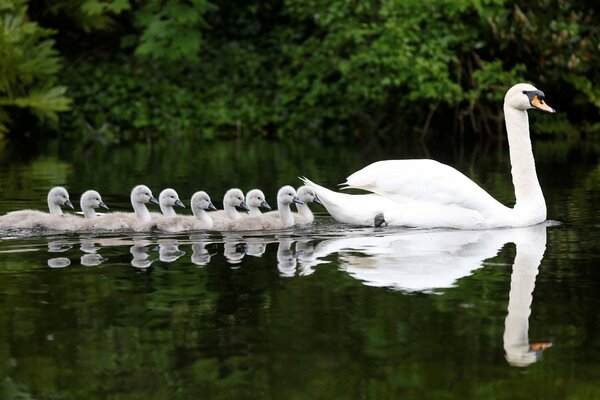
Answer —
(426, 261)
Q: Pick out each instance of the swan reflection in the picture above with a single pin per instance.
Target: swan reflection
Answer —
(234, 248)
(427, 261)
(90, 257)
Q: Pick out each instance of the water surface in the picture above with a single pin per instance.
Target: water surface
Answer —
(325, 311)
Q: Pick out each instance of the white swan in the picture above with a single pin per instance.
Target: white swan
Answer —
(304, 215)
(33, 219)
(282, 218)
(255, 199)
(199, 203)
(222, 219)
(426, 193)
(140, 220)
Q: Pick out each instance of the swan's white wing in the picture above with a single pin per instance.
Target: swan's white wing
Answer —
(426, 180)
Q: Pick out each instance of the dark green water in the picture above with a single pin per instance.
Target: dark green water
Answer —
(322, 312)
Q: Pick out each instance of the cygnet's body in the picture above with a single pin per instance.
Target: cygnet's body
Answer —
(255, 199)
(199, 221)
(282, 218)
(223, 219)
(140, 220)
(33, 219)
(304, 215)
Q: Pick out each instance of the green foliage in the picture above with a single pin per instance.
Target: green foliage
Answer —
(333, 70)
(28, 66)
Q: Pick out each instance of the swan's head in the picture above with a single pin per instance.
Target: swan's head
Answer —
(307, 195)
(59, 196)
(287, 195)
(524, 96)
(170, 198)
(235, 198)
(201, 201)
(91, 199)
(256, 198)
(141, 194)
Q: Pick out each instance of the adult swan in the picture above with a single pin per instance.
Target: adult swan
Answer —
(428, 194)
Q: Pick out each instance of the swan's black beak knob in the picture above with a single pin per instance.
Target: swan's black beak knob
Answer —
(265, 205)
(244, 206)
(297, 200)
(102, 205)
(69, 204)
(178, 203)
(153, 200)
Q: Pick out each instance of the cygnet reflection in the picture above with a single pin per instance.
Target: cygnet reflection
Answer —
(141, 253)
(59, 245)
(168, 250)
(234, 248)
(200, 254)
(286, 260)
(59, 262)
(90, 258)
(256, 246)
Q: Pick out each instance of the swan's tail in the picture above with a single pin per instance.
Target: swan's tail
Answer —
(339, 205)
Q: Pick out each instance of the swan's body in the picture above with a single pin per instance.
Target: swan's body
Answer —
(282, 218)
(199, 203)
(223, 219)
(304, 215)
(140, 220)
(425, 193)
(33, 219)
(255, 199)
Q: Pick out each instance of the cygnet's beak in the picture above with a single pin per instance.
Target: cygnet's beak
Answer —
(153, 200)
(211, 206)
(316, 200)
(102, 205)
(297, 200)
(69, 204)
(244, 206)
(265, 205)
(178, 203)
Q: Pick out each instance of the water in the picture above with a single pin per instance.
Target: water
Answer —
(324, 311)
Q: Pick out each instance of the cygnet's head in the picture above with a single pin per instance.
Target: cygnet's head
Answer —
(91, 199)
(287, 195)
(141, 194)
(256, 198)
(58, 195)
(235, 198)
(170, 198)
(201, 201)
(524, 96)
(306, 194)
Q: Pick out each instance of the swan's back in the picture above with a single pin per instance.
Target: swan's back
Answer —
(426, 180)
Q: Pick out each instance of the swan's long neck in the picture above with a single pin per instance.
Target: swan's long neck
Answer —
(167, 210)
(254, 211)
(202, 215)
(286, 214)
(305, 211)
(530, 252)
(231, 211)
(54, 208)
(88, 212)
(528, 193)
(141, 211)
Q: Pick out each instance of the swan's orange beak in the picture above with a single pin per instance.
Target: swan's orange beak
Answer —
(540, 105)
(540, 346)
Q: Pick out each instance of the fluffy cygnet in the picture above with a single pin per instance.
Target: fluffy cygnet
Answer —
(255, 199)
(222, 219)
(167, 199)
(140, 220)
(304, 215)
(282, 218)
(32, 219)
(199, 221)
